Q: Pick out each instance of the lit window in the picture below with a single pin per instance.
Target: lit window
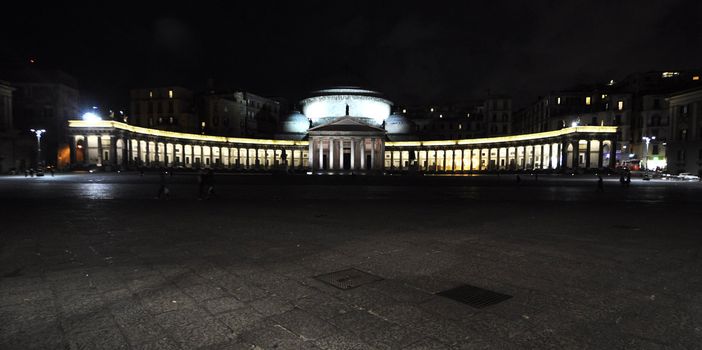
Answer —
(604, 96)
(170, 93)
(202, 124)
(460, 126)
(467, 115)
(151, 94)
(404, 111)
(670, 74)
(558, 100)
(441, 115)
(620, 105)
(432, 109)
(587, 100)
(695, 77)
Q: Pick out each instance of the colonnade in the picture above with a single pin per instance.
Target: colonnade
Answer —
(588, 153)
(114, 144)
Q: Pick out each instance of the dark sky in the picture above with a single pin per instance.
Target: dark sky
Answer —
(430, 53)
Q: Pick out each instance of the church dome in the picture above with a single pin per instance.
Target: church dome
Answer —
(398, 124)
(295, 123)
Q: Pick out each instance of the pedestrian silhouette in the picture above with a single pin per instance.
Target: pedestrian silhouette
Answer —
(163, 189)
(200, 184)
(519, 179)
(600, 183)
(210, 183)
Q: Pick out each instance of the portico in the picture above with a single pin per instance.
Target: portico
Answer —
(346, 145)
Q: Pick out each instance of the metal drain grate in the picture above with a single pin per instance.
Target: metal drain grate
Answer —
(474, 296)
(347, 279)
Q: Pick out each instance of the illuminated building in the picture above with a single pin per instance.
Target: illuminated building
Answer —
(343, 130)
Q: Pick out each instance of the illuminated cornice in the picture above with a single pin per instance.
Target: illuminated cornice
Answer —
(512, 138)
(180, 135)
(109, 124)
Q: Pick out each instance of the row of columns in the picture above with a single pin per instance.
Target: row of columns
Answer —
(366, 153)
(552, 155)
(149, 151)
(327, 153)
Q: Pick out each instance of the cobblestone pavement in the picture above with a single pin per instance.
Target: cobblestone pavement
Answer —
(96, 262)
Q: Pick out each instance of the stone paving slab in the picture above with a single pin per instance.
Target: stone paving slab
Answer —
(104, 265)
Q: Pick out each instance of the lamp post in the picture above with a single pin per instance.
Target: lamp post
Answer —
(38, 132)
(645, 157)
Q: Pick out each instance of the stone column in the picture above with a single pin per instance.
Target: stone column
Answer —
(489, 158)
(613, 154)
(113, 151)
(600, 154)
(148, 152)
(331, 153)
(480, 159)
(353, 154)
(99, 147)
(576, 153)
(587, 154)
(564, 153)
(310, 154)
(321, 153)
(138, 152)
(157, 155)
(72, 145)
(381, 153)
(543, 156)
(373, 165)
(392, 160)
(363, 154)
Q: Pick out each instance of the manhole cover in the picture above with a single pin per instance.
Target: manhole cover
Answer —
(474, 296)
(347, 279)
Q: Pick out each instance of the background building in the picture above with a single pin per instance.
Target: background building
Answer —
(489, 117)
(165, 108)
(238, 113)
(636, 105)
(684, 146)
(43, 99)
(9, 157)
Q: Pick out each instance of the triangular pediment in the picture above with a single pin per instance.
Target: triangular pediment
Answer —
(346, 123)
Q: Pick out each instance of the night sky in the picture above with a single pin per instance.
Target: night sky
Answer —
(434, 53)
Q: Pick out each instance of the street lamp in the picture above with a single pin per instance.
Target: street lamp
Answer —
(645, 157)
(38, 132)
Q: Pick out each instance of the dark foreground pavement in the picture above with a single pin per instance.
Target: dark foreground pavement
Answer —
(95, 262)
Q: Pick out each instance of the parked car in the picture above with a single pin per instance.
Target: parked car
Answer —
(688, 177)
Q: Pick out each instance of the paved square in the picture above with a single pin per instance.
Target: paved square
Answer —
(93, 261)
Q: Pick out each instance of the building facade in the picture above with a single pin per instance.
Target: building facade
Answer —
(165, 108)
(8, 135)
(684, 145)
(637, 106)
(43, 99)
(344, 130)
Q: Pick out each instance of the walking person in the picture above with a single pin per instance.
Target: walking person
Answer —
(200, 184)
(210, 183)
(163, 189)
(600, 183)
